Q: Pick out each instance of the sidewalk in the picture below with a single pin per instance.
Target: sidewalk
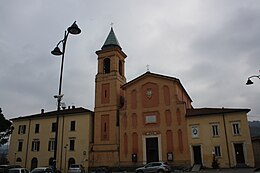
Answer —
(232, 170)
(235, 170)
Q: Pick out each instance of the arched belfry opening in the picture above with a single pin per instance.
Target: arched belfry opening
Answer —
(106, 65)
(111, 58)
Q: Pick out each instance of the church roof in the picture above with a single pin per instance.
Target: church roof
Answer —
(148, 73)
(111, 40)
(210, 111)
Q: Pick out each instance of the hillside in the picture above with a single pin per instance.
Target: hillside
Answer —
(254, 128)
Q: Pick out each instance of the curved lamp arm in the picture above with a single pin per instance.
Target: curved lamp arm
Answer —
(249, 81)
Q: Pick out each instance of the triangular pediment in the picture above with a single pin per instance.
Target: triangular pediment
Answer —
(157, 76)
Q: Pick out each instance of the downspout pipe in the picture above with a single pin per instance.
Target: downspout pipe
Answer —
(28, 137)
(225, 130)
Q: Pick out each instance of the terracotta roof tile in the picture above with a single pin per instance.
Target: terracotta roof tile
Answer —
(208, 111)
(54, 113)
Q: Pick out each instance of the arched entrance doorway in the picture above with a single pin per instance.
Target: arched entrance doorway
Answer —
(34, 163)
(71, 161)
(18, 159)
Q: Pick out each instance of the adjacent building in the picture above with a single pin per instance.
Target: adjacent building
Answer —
(150, 118)
(221, 132)
(33, 139)
(256, 149)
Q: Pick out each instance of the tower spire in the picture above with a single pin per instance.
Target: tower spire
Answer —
(111, 40)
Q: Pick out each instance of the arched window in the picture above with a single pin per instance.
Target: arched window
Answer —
(18, 159)
(178, 114)
(135, 142)
(134, 121)
(168, 117)
(34, 163)
(71, 161)
(180, 140)
(167, 97)
(106, 64)
(134, 99)
(169, 140)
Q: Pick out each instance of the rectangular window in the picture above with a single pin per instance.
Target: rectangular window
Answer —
(53, 127)
(236, 128)
(51, 145)
(22, 129)
(72, 144)
(20, 145)
(35, 145)
(105, 127)
(215, 130)
(72, 125)
(150, 119)
(105, 93)
(37, 128)
(217, 151)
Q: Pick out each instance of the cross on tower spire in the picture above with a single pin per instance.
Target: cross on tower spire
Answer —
(147, 68)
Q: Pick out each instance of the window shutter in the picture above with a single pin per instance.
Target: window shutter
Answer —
(49, 146)
(38, 147)
(19, 130)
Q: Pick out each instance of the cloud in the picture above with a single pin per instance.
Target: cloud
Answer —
(211, 46)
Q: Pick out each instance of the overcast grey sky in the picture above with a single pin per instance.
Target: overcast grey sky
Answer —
(212, 46)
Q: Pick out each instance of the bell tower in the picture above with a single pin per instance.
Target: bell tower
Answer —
(109, 79)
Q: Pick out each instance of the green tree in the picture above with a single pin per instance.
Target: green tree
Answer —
(5, 129)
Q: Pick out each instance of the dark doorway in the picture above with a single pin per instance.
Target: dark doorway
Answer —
(239, 153)
(197, 154)
(152, 154)
(51, 161)
(34, 163)
(71, 161)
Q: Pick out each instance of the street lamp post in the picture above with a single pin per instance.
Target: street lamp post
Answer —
(15, 158)
(65, 167)
(249, 81)
(73, 29)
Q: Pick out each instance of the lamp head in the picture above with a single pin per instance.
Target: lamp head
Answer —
(58, 96)
(249, 82)
(56, 51)
(74, 29)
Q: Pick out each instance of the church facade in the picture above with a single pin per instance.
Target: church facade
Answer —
(151, 118)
